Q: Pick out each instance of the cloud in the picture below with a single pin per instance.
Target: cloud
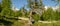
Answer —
(15, 9)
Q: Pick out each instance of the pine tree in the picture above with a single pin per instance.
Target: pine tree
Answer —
(6, 7)
(6, 12)
(0, 8)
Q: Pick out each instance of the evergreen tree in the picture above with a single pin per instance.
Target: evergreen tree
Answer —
(23, 11)
(51, 15)
(6, 7)
(6, 12)
(0, 8)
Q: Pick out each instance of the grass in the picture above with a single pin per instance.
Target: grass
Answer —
(46, 24)
(22, 23)
(38, 24)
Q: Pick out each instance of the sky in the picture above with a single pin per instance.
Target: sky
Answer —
(20, 3)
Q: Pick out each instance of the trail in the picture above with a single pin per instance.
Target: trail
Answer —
(48, 21)
(27, 19)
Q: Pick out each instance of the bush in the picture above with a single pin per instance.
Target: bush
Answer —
(51, 15)
(36, 17)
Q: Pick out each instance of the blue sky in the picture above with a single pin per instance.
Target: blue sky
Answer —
(21, 3)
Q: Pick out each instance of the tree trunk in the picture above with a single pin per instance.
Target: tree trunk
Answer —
(30, 18)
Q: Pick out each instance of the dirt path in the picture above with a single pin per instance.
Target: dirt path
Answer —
(48, 21)
(23, 18)
(38, 21)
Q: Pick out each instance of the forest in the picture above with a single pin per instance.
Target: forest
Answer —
(36, 14)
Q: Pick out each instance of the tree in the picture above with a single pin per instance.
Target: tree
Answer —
(34, 6)
(6, 6)
(57, 12)
(36, 17)
(6, 11)
(27, 13)
(29, 3)
(51, 15)
(0, 8)
(23, 11)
